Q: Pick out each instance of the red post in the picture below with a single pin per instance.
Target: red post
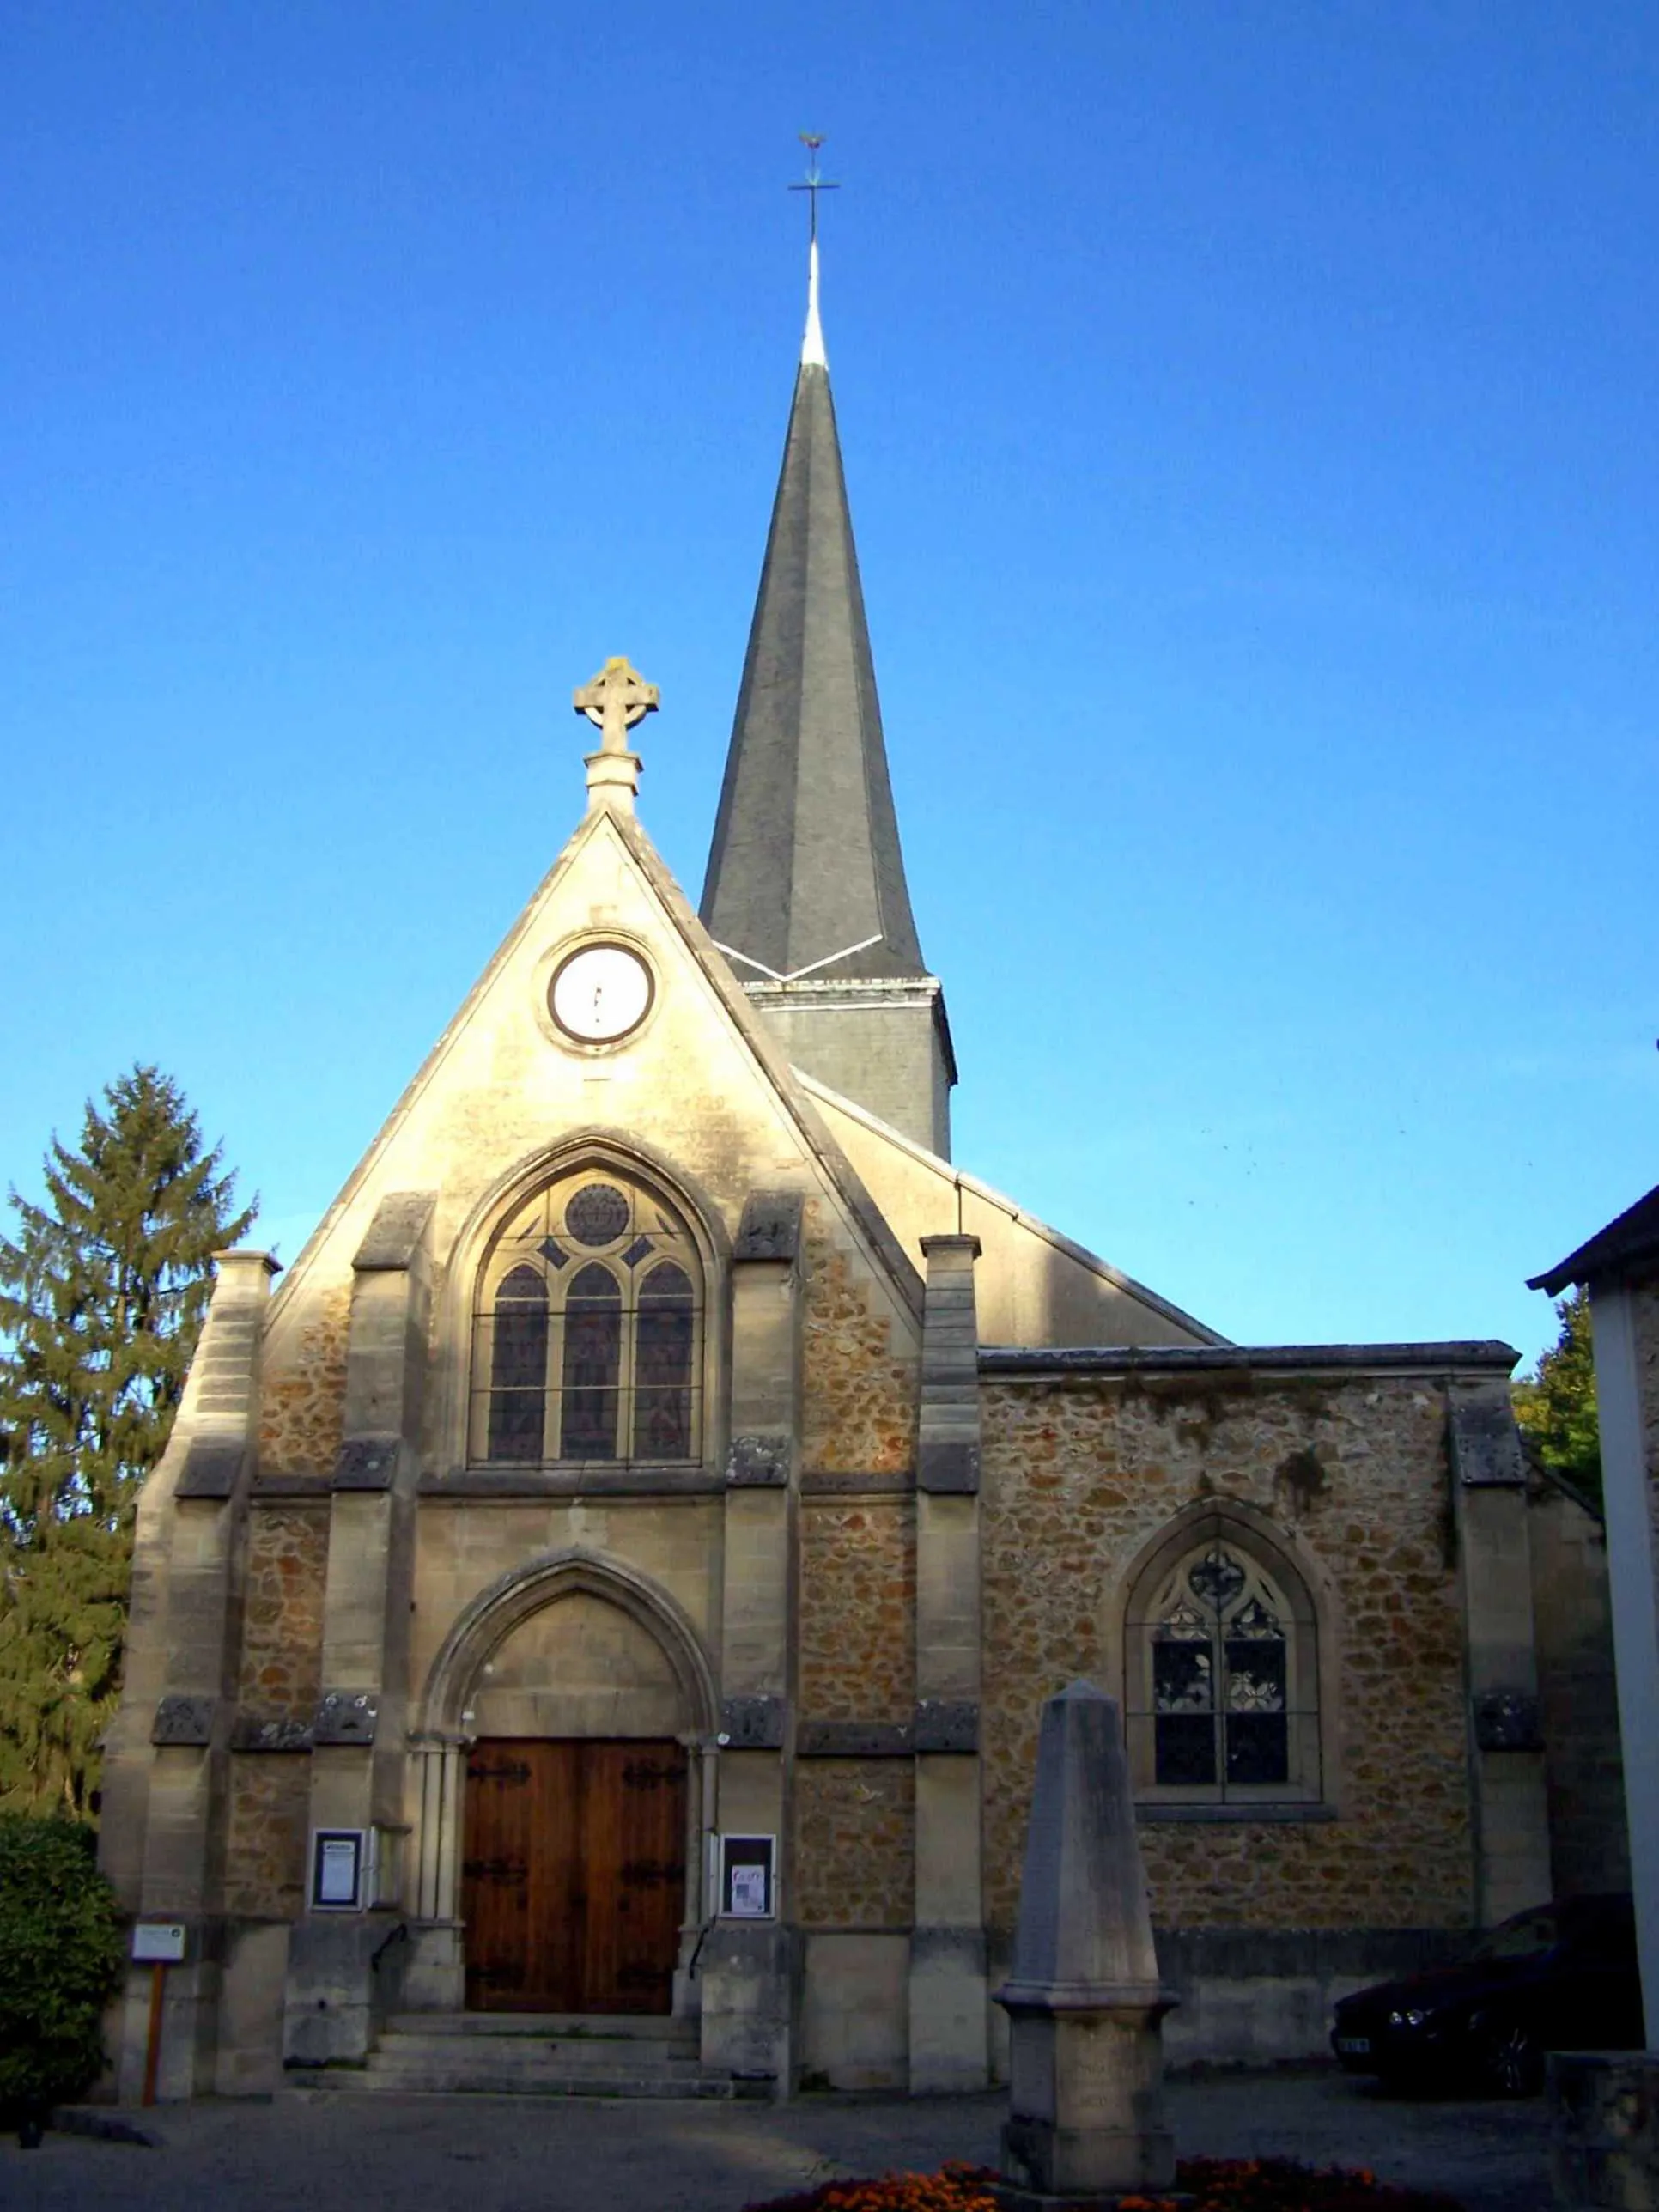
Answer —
(158, 1982)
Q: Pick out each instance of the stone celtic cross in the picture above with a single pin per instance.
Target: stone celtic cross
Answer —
(614, 701)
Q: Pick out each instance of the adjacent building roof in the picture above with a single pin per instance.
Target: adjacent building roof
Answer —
(805, 870)
(1629, 1245)
(1468, 1355)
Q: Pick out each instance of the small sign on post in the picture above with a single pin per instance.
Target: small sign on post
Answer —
(748, 1877)
(157, 1944)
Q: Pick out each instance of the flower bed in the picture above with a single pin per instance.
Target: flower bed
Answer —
(1207, 2184)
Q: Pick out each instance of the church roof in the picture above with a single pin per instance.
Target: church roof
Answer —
(1628, 1244)
(805, 870)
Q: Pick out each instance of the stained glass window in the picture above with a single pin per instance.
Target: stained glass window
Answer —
(662, 1364)
(1224, 1659)
(594, 1356)
(598, 1214)
(518, 1366)
(1255, 1726)
(1184, 1695)
(1217, 1579)
(593, 1364)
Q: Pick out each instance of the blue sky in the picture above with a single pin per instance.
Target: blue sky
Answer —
(1248, 415)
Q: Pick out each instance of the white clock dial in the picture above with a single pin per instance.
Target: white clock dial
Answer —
(600, 994)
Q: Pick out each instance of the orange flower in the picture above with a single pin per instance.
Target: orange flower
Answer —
(1212, 2184)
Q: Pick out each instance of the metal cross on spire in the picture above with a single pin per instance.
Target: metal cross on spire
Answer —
(812, 354)
(813, 184)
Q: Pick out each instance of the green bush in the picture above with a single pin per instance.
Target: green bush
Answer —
(60, 1959)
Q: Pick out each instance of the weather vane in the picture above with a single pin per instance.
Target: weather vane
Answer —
(813, 183)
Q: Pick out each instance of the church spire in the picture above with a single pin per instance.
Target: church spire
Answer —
(805, 872)
(812, 354)
(806, 892)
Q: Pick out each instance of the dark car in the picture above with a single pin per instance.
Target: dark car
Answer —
(1560, 1978)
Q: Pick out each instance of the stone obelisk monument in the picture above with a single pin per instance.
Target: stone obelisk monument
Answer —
(1086, 2121)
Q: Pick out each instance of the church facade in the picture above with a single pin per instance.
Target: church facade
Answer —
(592, 1619)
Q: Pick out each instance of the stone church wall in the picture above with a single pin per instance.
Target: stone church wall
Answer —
(857, 1390)
(1080, 1474)
(858, 1591)
(279, 1683)
(1263, 1919)
(854, 1850)
(462, 1546)
(303, 1402)
(854, 1817)
(286, 1560)
(265, 1850)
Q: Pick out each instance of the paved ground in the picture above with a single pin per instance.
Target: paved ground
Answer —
(307, 2153)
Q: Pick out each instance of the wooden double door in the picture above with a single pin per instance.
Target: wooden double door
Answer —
(573, 1874)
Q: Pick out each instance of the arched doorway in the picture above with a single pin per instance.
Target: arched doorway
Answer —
(586, 1700)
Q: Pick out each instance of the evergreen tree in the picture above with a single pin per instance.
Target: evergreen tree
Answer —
(103, 1290)
(1556, 1407)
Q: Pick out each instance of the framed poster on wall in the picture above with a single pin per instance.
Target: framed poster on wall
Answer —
(339, 1869)
(748, 1877)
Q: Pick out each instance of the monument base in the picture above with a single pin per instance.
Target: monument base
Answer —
(1049, 2164)
(1604, 2148)
(1011, 2197)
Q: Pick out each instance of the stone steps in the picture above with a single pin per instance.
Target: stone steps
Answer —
(580, 2027)
(535, 2055)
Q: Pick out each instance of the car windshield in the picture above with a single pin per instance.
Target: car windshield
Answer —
(1523, 1937)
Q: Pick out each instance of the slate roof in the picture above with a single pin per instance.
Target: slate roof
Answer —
(1628, 1245)
(806, 859)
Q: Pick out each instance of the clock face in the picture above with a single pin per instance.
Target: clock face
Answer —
(600, 994)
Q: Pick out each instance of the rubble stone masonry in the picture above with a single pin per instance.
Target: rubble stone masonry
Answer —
(858, 1593)
(280, 1680)
(269, 1806)
(1080, 1473)
(855, 1854)
(859, 1392)
(302, 1406)
(281, 1676)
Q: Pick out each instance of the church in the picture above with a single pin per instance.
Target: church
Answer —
(589, 1627)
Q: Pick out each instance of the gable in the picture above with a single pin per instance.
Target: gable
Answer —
(697, 1090)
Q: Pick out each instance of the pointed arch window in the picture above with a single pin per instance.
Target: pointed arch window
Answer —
(518, 1366)
(593, 1364)
(664, 1339)
(1221, 1671)
(587, 1330)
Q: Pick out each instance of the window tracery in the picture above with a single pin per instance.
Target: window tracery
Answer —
(1221, 1671)
(587, 1329)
